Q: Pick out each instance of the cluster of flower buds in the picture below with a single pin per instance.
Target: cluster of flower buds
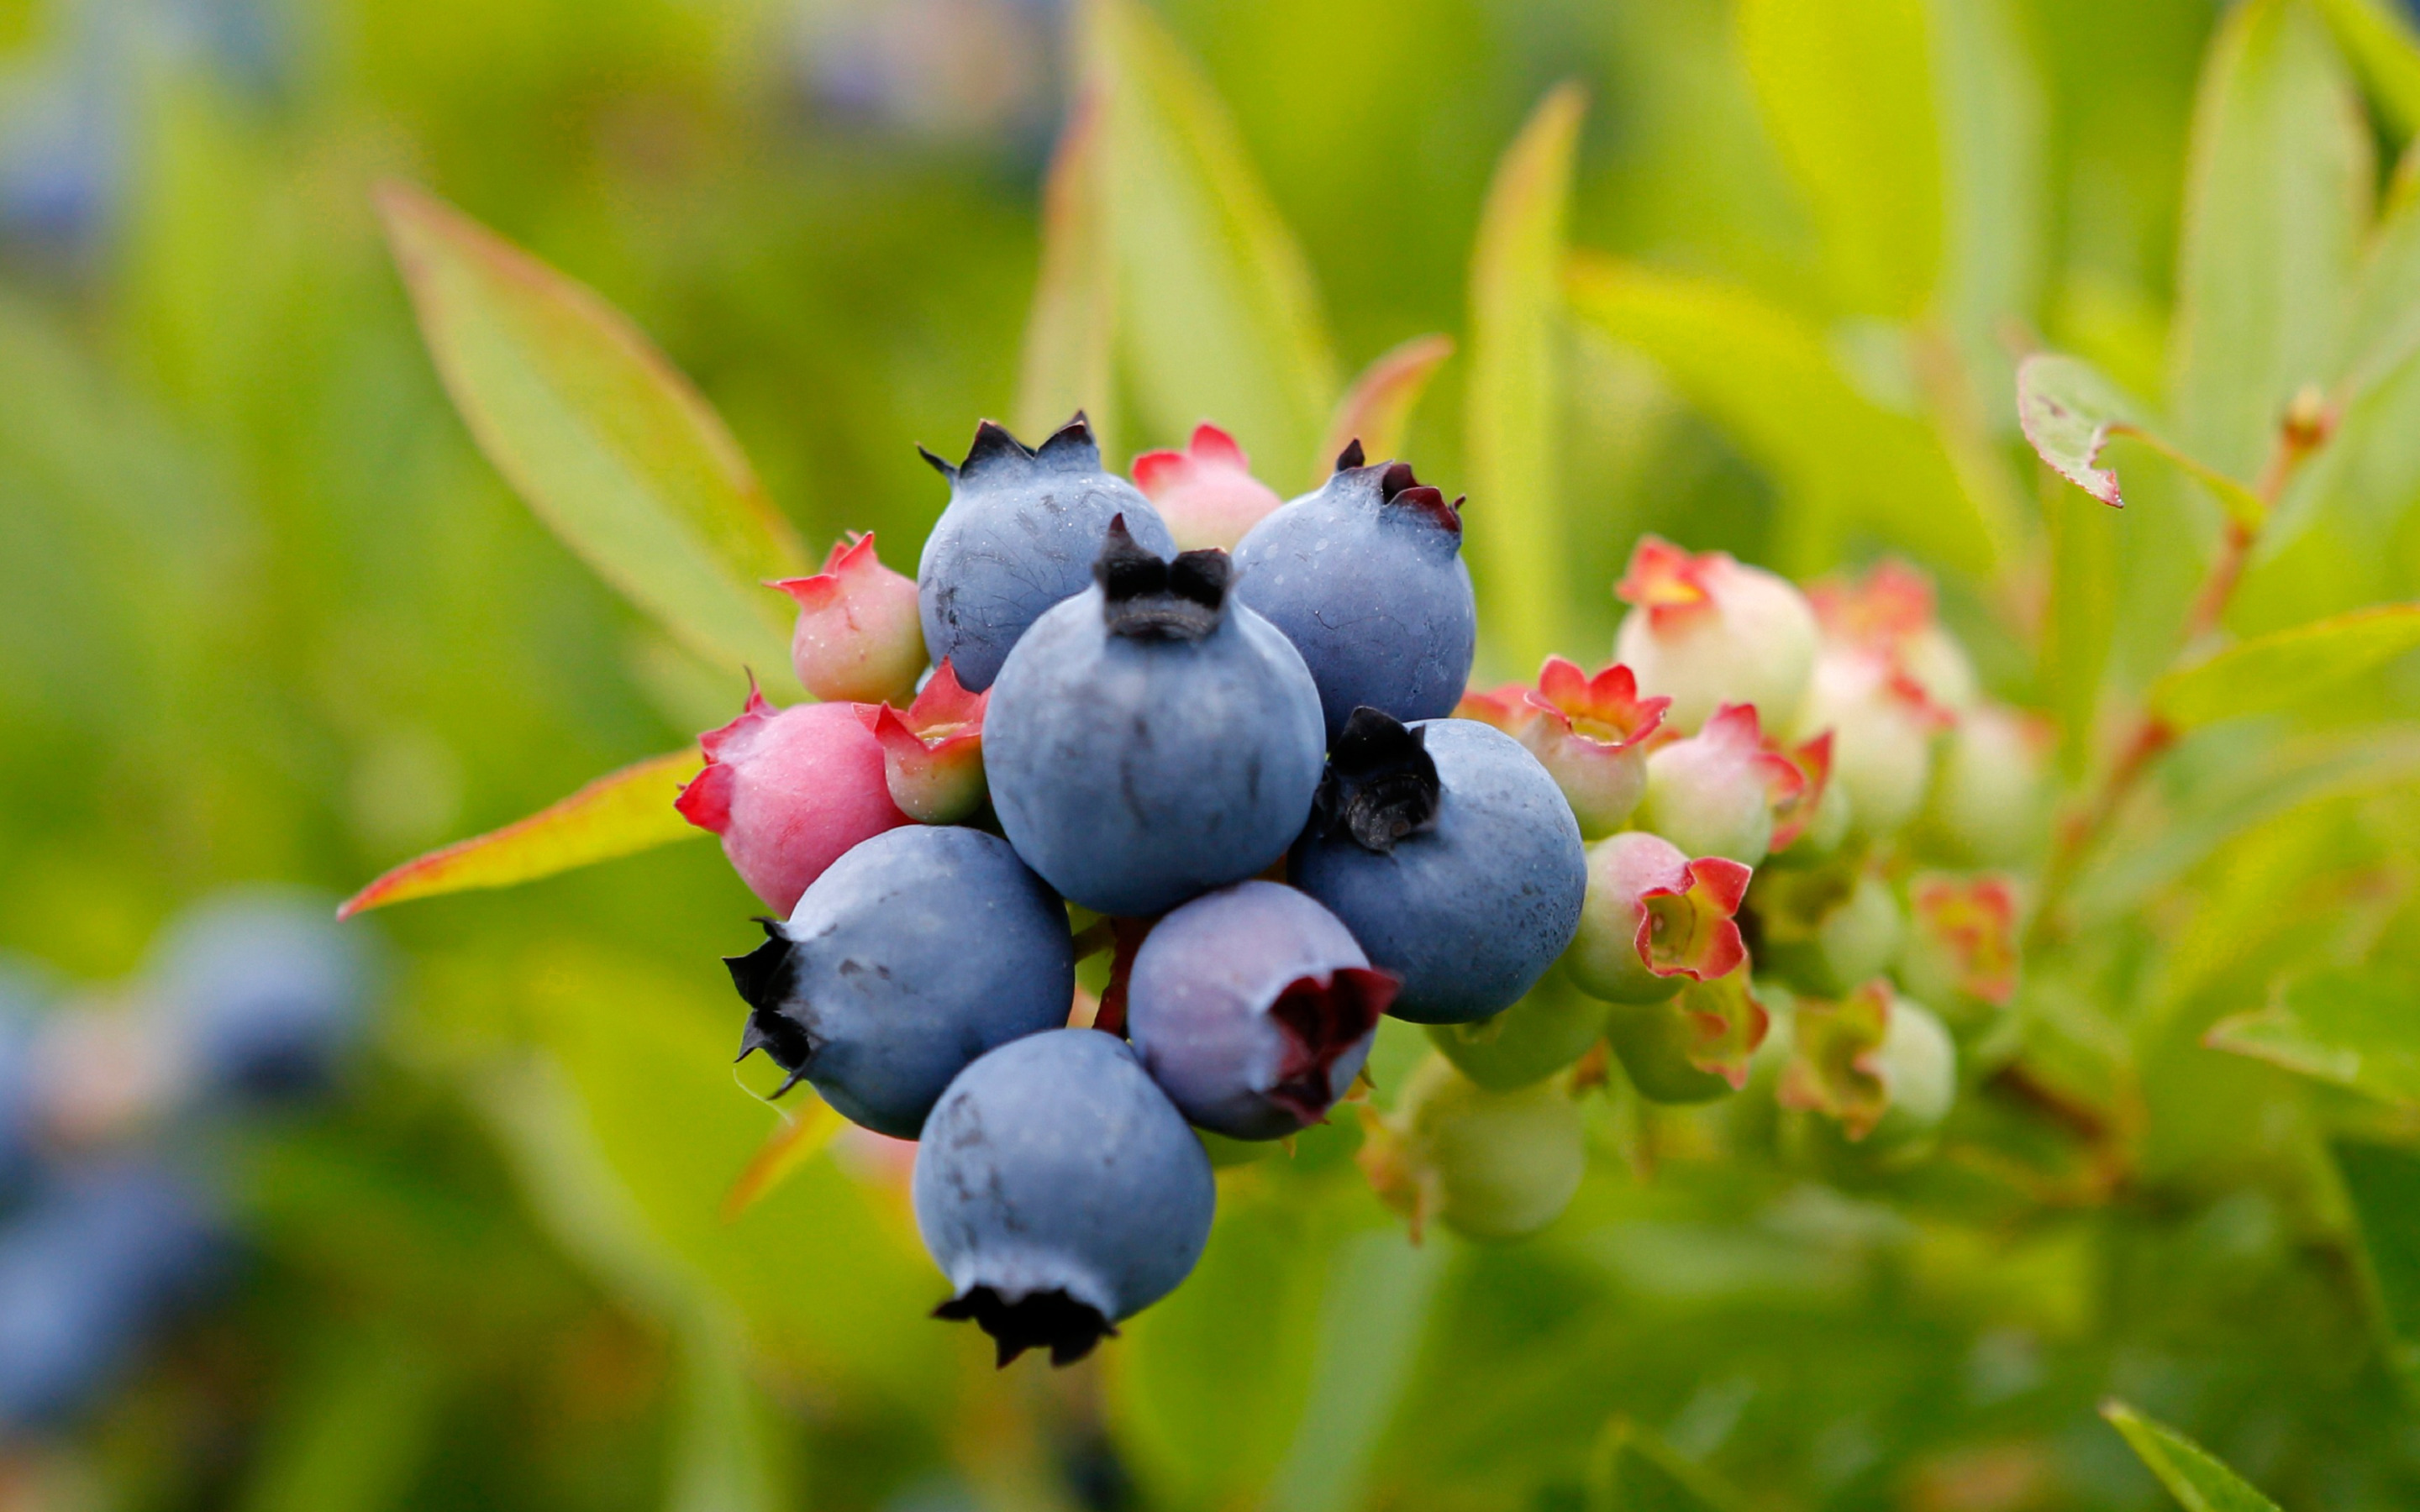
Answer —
(1746, 840)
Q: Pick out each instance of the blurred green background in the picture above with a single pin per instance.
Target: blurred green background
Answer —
(265, 612)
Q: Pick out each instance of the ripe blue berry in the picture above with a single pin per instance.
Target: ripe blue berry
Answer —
(87, 1270)
(1254, 1010)
(914, 953)
(1060, 1192)
(1148, 739)
(1019, 535)
(1366, 577)
(20, 999)
(1450, 854)
(267, 992)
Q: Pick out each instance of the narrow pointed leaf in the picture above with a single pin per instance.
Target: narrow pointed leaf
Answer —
(2276, 200)
(2379, 39)
(619, 814)
(1071, 336)
(1989, 101)
(2192, 1474)
(1846, 91)
(610, 446)
(802, 1135)
(1514, 529)
(1768, 377)
(2070, 413)
(1377, 408)
(2353, 1028)
(2276, 672)
(1217, 316)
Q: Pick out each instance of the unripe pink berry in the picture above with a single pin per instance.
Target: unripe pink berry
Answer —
(1704, 631)
(1890, 611)
(932, 754)
(1717, 792)
(858, 639)
(1590, 735)
(1882, 730)
(1206, 493)
(1654, 919)
(789, 791)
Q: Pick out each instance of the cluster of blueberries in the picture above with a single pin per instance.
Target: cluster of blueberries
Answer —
(1229, 739)
(110, 1224)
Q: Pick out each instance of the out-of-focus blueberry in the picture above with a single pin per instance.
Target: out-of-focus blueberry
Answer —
(1253, 1009)
(1021, 534)
(1060, 1191)
(917, 952)
(1151, 739)
(1366, 577)
(263, 991)
(1453, 858)
(97, 1262)
(22, 991)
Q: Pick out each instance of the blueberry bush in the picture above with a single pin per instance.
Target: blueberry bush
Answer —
(1822, 919)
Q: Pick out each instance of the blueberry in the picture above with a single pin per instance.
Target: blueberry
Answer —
(1453, 858)
(1019, 535)
(1150, 739)
(914, 953)
(20, 995)
(95, 1263)
(1060, 1191)
(1366, 577)
(1254, 1010)
(266, 992)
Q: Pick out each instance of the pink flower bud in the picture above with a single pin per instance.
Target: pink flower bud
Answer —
(790, 790)
(858, 637)
(1717, 792)
(1206, 493)
(1589, 733)
(1653, 919)
(1883, 728)
(1989, 798)
(1705, 631)
(1890, 611)
(1873, 1060)
(1961, 945)
(932, 755)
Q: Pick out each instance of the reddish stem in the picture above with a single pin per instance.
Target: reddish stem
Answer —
(1129, 933)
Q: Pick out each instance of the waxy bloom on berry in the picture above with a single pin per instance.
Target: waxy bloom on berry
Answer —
(1874, 1060)
(1653, 919)
(1704, 631)
(789, 791)
(858, 638)
(932, 755)
(1883, 727)
(1890, 611)
(1718, 791)
(1206, 493)
(1961, 945)
(1590, 735)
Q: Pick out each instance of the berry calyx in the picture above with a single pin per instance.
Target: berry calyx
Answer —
(1146, 598)
(1590, 734)
(858, 637)
(932, 754)
(1654, 918)
(1206, 492)
(1381, 784)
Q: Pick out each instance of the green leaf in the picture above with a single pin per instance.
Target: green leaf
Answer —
(2276, 201)
(1988, 96)
(1071, 336)
(613, 449)
(1377, 408)
(2197, 1481)
(2276, 672)
(1769, 378)
(2357, 1029)
(1515, 531)
(2078, 632)
(1633, 1470)
(1846, 89)
(1217, 316)
(2382, 1184)
(2379, 41)
(621, 814)
(1380, 1291)
(2068, 412)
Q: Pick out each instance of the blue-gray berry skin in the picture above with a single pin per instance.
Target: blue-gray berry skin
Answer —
(92, 1266)
(1060, 1191)
(1253, 1009)
(21, 993)
(1151, 739)
(1366, 577)
(267, 992)
(1019, 534)
(1453, 858)
(911, 955)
